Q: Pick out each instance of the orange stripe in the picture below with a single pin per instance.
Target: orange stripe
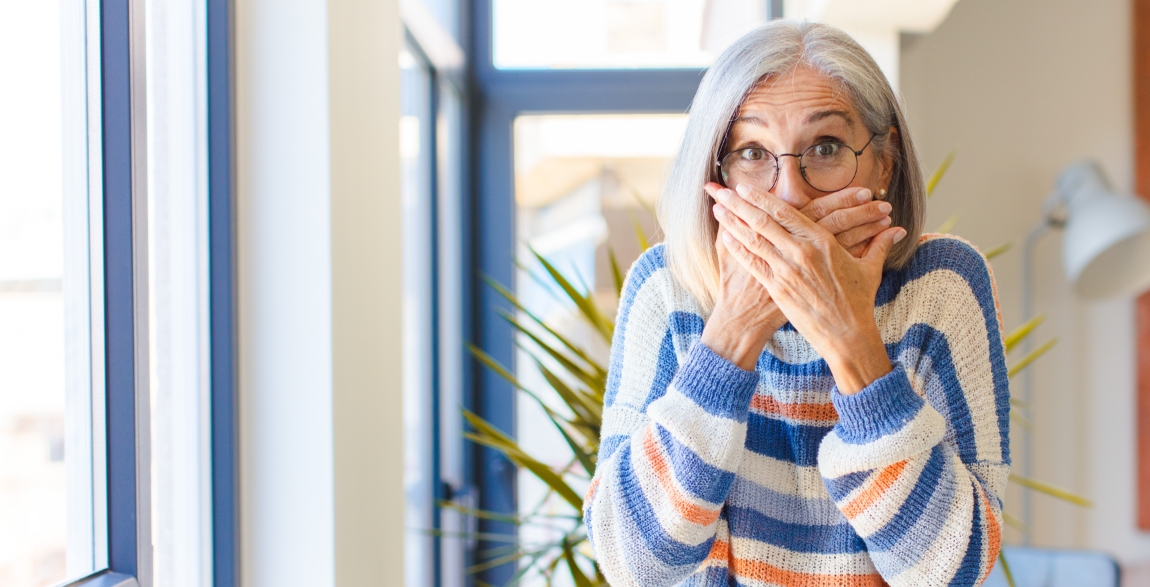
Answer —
(885, 479)
(768, 404)
(766, 573)
(691, 512)
(587, 497)
(719, 551)
(994, 533)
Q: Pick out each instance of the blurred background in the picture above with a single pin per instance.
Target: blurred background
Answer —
(396, 163)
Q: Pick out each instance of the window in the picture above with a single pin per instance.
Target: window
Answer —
(431, 126)
(110, 342)
(550, 167)
(584, 184)
(178, 302)
(545, 34)
(52, 488)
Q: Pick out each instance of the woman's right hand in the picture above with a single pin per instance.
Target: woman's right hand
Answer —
(745, 317)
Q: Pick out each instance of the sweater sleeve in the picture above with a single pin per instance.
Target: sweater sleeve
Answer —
(671, 441)
(922, 489)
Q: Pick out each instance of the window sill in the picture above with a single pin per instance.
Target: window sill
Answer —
(104, 579)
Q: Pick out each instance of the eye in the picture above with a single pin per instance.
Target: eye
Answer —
(826, 149)
(752, 154)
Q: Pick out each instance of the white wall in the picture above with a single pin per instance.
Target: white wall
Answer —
(318, 207)
(1021, 88)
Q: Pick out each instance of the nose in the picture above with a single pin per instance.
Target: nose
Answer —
(790, 187)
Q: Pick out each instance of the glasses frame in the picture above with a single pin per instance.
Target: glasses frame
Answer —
(799, 156)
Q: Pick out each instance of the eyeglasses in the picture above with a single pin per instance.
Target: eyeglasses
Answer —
(828, 166)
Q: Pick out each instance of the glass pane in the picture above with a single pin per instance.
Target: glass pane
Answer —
(49, 520)
(584, 185)
(415, 142)
(450, 272)
(618, 33)
(178, 293)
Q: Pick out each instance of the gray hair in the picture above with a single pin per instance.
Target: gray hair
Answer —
(774, 49)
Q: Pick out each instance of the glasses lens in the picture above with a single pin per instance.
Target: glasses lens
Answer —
(752, 166)
(829, 167)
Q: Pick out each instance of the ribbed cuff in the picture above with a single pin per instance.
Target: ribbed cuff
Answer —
(881, 408)
(717, 385)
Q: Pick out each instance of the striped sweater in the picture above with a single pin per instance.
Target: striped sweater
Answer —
(709, 475)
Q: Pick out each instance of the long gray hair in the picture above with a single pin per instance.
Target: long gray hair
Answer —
(774, 49)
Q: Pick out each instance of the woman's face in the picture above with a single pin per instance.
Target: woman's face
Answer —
(789, 114)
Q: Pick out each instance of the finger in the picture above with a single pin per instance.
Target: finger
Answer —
(754, 264)
(781, 212)
(880, 246)
(843, 220)
(862, 233)
(858, 250)
(751, 215)
(820, 208)
(746, 235)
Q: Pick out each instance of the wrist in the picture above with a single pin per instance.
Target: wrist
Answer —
(738, 341)
(857, 361)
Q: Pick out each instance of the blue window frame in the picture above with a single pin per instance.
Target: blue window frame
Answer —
(221, 263)
(498, 97)
(122, 104)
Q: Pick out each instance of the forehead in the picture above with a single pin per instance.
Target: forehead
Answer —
(793, 97)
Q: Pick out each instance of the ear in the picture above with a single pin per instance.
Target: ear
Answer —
(887, 157)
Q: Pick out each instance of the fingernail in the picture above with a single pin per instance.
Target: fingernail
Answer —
(901, 235)
(727, 237)
(722, 195)
(863, 195)
(743, 189)
(884, 207)
(885, 221)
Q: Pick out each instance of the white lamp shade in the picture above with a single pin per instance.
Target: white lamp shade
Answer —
(1106, 248)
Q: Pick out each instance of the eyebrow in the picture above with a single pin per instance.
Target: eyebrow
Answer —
(817, 116)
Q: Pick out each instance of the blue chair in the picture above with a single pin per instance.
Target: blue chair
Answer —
(1042, 567)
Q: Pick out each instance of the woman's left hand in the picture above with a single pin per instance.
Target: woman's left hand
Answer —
(826, 293)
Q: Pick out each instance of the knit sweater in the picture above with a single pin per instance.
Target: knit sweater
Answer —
(709, 475)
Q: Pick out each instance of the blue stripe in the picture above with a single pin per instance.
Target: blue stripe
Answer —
(915, 544)
(964, 260)
(793, 509)
(971, 569)
(609, 445)
(668, 365)
(830, 539)
(669, 551)
(643, 268)
(715, 384)
(840, 487)
(709, 577)
(685, 323)
(779, 439)
(700, 479)
(913, 508)
(936, 348)
(882, 408)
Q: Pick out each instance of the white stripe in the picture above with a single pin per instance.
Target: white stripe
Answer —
(882, 511)
(620, 420)
(642, 334)
(668, 517)
(943, 300)
(949, 547)
(716, 440)
(858, 563)
(782, 476)
(924, 431)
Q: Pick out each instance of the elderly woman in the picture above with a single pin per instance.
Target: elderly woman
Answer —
(803, 390)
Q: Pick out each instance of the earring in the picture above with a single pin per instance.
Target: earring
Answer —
(882, 193)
